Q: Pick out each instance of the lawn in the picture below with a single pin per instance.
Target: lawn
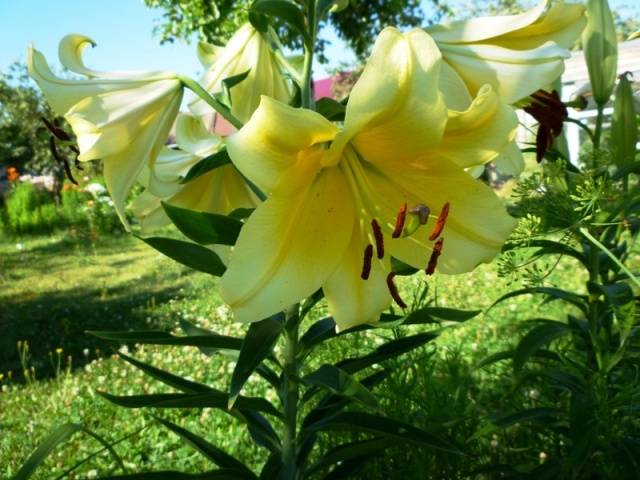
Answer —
(56, 288)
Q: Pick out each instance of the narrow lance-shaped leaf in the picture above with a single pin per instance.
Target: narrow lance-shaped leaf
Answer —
(384, 426)
(189, 254)
(210, 451)
(213, 161)
(214, 399)
(535, 339)
(159, 337)
(203, 227)
(340, 382)
(182, 384)
(257, 345)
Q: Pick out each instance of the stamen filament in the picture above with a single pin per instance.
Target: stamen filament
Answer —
(393, 290)
(366, 264)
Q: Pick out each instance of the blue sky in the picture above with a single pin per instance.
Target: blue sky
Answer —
(123, 31)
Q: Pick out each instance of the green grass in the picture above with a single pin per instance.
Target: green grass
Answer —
(53, 289)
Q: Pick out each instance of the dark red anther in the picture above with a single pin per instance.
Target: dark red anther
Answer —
(377, 235)
(393, 290)
(61, 159)
(400, 218)
(366, 264)
(435, 254)
(55, 130)
(440, 222)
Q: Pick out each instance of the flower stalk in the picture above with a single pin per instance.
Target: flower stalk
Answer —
(219, 107)
(290, 393)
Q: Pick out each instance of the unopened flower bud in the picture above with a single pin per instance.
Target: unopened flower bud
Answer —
(600, 49)
(624, 124)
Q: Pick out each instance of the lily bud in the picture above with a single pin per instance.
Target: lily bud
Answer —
(600, 49)
(624, 124)
(246, 51)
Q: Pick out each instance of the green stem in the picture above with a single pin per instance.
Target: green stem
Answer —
(291, 394)
(219, 107)
(597, 135)
(307, 92)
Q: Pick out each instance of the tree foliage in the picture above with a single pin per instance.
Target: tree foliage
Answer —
(23, 143)
(358, 24)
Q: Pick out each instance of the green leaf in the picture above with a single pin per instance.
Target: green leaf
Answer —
(222, 474)
(538, 415)
(496, 357)
(213, 453)
(257, 345)
(158, 337)
(262, 432)
(332, 404)
(213, 161)
(386, 351)
(203, 227)
(579, 301)
(186, 386)
(400, 268)
(330, 109)
(241, 213)
(552, 247)
(341, 383)
(285, 11)
(535, 339)
(230, 82)
(214, 399)
(349, 451)
(318, 332)
(617, 294)
(46, 446)
(189, 254)
(432, 314)
(383, 426)
(51, 441)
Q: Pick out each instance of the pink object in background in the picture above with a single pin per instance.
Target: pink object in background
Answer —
(321, 88)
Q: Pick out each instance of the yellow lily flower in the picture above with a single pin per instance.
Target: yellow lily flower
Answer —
(219, 191)
(516, 54)
(121, 118)
(246, 51)
(342, 201)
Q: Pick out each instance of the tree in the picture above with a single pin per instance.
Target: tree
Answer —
(359, 24)
(25, 143)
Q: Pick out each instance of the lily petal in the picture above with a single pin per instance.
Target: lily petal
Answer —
(353, 301)
(514, 74)
(289, 247)
(483, 28)
(273, 141)
(396, 109)
(477, 225)
(480, 133)
(192, 136)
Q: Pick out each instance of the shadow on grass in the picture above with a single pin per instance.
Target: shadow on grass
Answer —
(60, 320)
(49, 313)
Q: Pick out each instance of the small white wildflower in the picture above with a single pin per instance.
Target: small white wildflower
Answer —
(92, 474)
(534, 394)
(494, 443)
(19, 247)
(85, 352)
(543, 456)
